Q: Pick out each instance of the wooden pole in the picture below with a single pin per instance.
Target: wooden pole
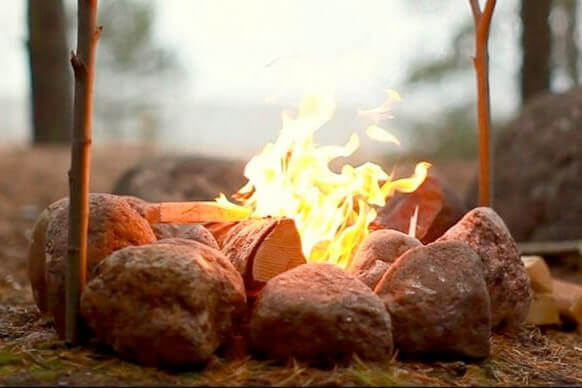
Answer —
(482, 19)
(83, 62)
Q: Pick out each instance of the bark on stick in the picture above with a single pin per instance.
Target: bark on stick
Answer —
(83, 62)
(482, 19)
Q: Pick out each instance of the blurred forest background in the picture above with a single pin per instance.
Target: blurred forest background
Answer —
(188, 74)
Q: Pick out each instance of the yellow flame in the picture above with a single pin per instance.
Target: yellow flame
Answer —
(374, 132)
(291, 178)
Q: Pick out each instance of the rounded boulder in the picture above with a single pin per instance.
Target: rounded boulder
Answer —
(506, 277)
(165, 303)
(377, 252)
(113, 225)
(195, 232)
(318, 313)
(437, 298)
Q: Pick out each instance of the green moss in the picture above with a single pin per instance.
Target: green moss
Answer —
(7, 357)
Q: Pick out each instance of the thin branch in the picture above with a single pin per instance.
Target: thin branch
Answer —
(481, 61)
(476, 11)
(486, 17)
(83, 63)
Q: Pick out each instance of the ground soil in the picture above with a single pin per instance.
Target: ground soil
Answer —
(31, 353)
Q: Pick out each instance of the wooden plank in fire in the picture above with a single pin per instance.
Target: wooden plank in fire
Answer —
(196, 212)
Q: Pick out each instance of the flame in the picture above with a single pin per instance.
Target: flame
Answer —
(291, 178)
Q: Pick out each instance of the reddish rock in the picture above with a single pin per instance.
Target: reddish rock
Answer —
(439, 208)
(194, 232)
(505, 274)
(37, 254)
(437, 298)
(143, 208)
(317, 312)
(165, 304)
(377, 252)
(113, 225)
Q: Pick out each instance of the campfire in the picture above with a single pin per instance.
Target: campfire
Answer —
(302, 262)
(296, 263)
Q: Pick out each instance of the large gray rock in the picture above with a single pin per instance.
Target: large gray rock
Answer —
(537, 177)
(181, 178)
(437, 298)
(377, 252)
(505, 274)
(113, 225)
(317, 312)
(165, 304)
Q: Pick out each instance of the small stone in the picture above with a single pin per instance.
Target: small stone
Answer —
(317, 312)
(437, 298)
(377, 252)
(165, 304)
(194, 232)
(113, 225)
(506, 277)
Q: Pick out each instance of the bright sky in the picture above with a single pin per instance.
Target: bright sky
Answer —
(246, 51)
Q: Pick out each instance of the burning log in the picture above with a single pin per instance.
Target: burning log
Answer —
(259, 248)
(263, 248)
(194, 212)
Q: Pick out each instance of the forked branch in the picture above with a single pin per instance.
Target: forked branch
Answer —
(482, 19)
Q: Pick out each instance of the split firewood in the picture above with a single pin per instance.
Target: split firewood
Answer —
(539, 273)
(263, 248)
(543, 310)
(219, 230)
(568, 297)
(196, 212)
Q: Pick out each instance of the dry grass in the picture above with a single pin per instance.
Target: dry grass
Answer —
(31, 353)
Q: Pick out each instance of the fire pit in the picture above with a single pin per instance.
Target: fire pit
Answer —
(299, 265)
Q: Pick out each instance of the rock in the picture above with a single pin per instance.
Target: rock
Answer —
(143, 208)
(37, 254)
(537, 188)
(505, 274)
(165, 304)
(194, 232)
(113, 225)
(317, 312)
(439, 208)
(437, 298)
(377, 252)
(181, 179)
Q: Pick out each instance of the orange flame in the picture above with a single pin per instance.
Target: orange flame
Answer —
(291, 178)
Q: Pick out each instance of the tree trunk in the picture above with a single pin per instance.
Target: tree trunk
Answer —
(50, 74)
(535, 40)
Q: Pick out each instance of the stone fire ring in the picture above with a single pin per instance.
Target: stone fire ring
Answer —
(180, 300)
